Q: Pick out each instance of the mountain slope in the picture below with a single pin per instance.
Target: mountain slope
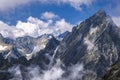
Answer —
(95, 43)
(114, 72)
(27, 51)
(24, 52)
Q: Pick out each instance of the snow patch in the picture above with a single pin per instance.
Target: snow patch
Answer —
(93, 30)
(90, 44)
(36, 49)
(28, 56)
(39, 45)
(3, 47)
(90, 38)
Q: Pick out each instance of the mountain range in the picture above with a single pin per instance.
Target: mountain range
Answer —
(95, 43)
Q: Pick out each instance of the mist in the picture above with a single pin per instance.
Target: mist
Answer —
(56, 72)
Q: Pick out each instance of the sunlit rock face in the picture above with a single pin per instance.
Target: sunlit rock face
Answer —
(27, 51)
(94, 42)
(26, 46)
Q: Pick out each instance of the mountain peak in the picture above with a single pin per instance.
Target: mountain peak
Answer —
(99, 17)
(101, 11)
(101, 14)
(90, 43)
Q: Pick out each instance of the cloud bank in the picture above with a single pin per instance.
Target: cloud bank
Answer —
(76, 72)
(116, 20)
(36, 27)
(5, 4)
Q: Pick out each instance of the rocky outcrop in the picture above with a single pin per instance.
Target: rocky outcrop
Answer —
(25, 52)
(113, 72)
(94, 42)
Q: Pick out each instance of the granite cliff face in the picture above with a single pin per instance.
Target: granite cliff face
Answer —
(113, 72)
(95, 43)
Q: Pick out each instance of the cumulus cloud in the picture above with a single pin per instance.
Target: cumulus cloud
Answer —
(10, 31)
(62, 26)
(5, 4)
(49, 15)
(116, 20)
(35, 27)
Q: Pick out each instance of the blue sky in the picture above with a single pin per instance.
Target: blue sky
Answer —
(23, 13)
(72, 15)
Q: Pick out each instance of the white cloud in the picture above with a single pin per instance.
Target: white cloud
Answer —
(90, 44)
(116, 20)
(62, 26)
(10, 31)
(74, 3)
(6, 5)
(54, 73)
(49, 15)
(76, 72)
(35, 27)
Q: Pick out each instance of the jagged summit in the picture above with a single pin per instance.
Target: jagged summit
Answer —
(95, 42)
(98, 22)
(98, 17)
(101, 12)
